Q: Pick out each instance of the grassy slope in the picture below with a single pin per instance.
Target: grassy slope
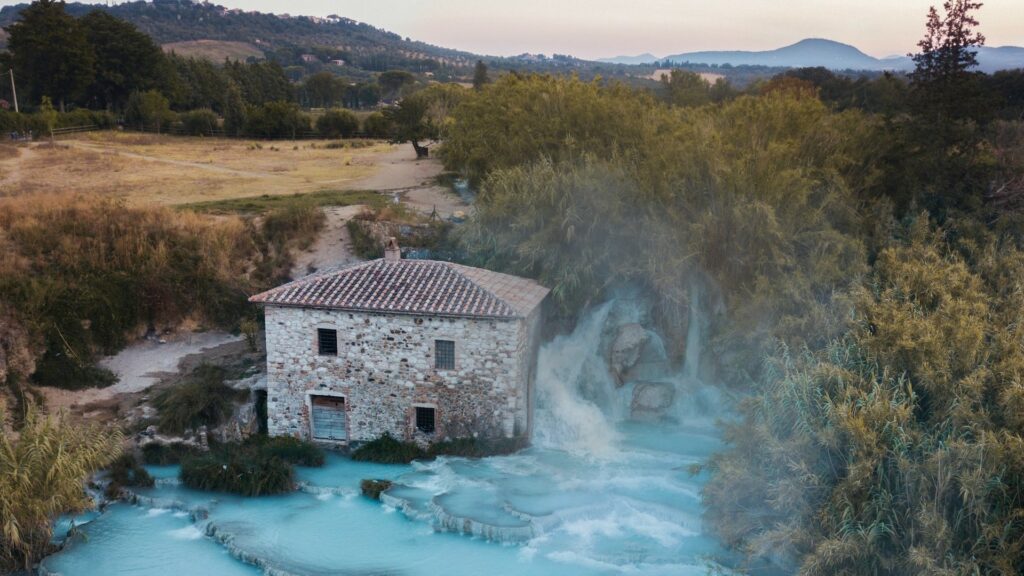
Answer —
(214, 50)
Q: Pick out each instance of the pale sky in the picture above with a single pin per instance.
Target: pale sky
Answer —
(600, 28)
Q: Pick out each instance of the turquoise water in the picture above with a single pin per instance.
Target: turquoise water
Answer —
(595, 495)
(635, 511)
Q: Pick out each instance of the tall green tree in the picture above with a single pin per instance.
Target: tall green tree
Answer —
(685, 88)
(234, 111)
(148, 111)
(423, 115)
(50, 53)
(480, 78)
(944, 86)
(48, 115)
(321, 90)
(196, 83)
(948, 104)
(261, 82)
(394, 83)
(126, 59)
(276, 120)
(337, 123)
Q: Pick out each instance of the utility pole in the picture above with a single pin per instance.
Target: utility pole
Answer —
(14, 92)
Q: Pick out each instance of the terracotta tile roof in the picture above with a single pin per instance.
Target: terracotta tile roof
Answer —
(412, 287)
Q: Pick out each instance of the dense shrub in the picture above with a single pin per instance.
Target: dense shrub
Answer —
(388, 450)
(202, 122)
(101, 119)
(24, 123)
(58, 368)
(148, 110)
(364, 244)
(896, 449)
(376, 125)
(21, 123)
(298, 224)
(157, 454)
(290, 449)
(202, 400)
(238, 472)
(292, 226)
(535, 114)
(337, 123)
(276, 120)
(256, 467)
(125, 472)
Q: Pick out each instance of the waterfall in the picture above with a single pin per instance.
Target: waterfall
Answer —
(568, 366)
(579, 403)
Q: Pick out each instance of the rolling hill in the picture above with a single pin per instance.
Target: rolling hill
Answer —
(181, 21)
(306, 43)
(826, 53)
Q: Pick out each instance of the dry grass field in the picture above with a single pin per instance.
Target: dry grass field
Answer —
(147, 169)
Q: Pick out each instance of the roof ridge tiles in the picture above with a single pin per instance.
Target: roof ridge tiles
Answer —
(411, 286)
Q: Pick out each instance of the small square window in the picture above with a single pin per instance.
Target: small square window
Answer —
(425, 419)
(327, 342)
(444, 354)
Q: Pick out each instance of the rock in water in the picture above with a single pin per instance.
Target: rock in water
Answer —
(372, 488)
(651, 401)
(626, 349)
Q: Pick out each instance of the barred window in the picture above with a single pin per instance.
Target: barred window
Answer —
(425, 419)
(444, 354)
(327, 342)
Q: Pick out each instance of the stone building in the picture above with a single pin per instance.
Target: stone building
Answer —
(423, 350)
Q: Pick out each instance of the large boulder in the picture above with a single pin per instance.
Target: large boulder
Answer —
(626, 349)
(652, 401)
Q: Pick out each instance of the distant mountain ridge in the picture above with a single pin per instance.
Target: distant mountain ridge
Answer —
(823, 52)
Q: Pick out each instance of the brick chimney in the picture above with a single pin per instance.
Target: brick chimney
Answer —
(391, 250)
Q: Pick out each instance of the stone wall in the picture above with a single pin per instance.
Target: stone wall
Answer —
(385, 368)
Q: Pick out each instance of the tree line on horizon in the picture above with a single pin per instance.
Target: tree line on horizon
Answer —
(100, 63)
(103, 64)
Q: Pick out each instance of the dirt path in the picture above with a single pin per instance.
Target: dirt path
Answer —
(399, 174)
(399, 169)
(138, 367)
(333, 248)
(413, 181)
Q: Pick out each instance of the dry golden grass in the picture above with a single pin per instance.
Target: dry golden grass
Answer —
(214, 50)
(147, 169)
(8, 151)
